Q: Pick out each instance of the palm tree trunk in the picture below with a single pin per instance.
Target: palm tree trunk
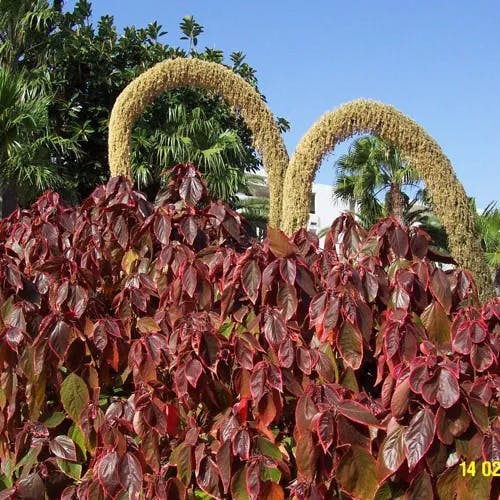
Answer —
(396, 203)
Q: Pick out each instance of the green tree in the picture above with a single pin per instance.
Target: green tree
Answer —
(28, 147)
(488, 225)
(190, 136)
(371, 169)
(86, 68)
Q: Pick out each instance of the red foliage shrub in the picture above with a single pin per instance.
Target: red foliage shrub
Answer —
(157, 352)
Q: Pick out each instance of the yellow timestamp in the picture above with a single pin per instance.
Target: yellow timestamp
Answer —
(485, 468)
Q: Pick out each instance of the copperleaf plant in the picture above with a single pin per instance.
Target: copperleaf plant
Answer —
(157, 351)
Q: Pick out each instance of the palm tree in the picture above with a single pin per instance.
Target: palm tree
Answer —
(23, 29)
(371, 168)
(253, 204)
(488, 226)
(190, 136)
(27, 147)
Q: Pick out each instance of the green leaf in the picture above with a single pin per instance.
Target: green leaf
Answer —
(54, 420)
(181, 458)
(356, 473)
(76, 434)
(72, 470)
(270, 474)
(226, 329)
(239, 485)
(267, 448)
(29, 459)
(201, 495)
(74, 396)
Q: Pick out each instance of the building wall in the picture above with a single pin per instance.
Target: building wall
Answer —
(326, 208)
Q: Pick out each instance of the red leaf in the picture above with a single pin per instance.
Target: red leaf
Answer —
(193, 371)
(305, 457)
(14, 337)
(30, 487)
(392, 338)
(332, 314)
(241, 444)
(63, 447)
(429, 389)
(208, 477)
(478, 331)
(398, 239)
(481, 357)
(223, 459)
(305, 281)
(59, 339)
(258, 382)
(130, 472)
(391, 455)
(189, 229)
(418, 376)
(268, 276)
(274, 378)
(441, 289)
(120, 231)
(288, 270)
(286, 300)
(162, 228)
(491, 447)
(317, 309)
(279, 244)
(419, 246)
(253, 481)
(448, 390)
(400, 399)
(305, 360)
(304, 413)
(189, 280)
(138, 298)
(107, 472)
(274, 328)
(325, 429)
(436, 323)
(418, 436)
(191, 190)
(251, 279)
(78, 299)
(357, 413)
(462, 343)
(350, 345)
(286, 353)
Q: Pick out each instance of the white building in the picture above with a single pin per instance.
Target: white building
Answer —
(324, 208)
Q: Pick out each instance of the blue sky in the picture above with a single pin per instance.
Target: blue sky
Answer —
(436, 61)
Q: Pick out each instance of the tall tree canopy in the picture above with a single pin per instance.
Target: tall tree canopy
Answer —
(83, 68)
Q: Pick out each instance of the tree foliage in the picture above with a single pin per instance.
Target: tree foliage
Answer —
(83, 68)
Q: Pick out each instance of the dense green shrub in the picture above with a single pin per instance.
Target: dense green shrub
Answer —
(158, 352)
